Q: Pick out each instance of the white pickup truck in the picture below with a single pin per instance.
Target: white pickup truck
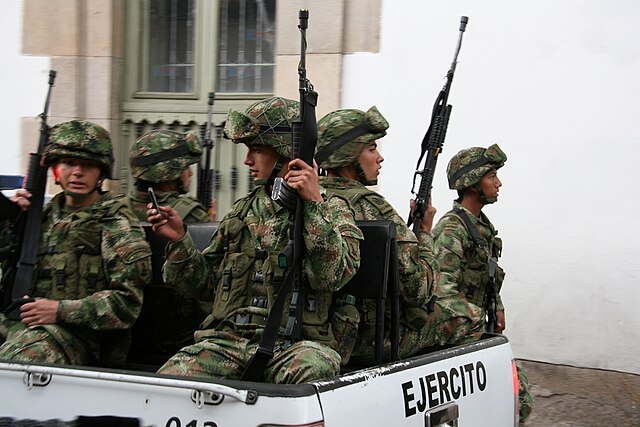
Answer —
(469, 385)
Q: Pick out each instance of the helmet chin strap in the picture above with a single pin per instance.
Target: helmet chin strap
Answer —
(274, 173)
(83, 196)
(483, 198)
(181, 187)
(362, 177)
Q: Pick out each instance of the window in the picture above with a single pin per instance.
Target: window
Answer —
(246, 49)
(169, 38)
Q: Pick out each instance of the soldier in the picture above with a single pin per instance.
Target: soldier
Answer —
(347, 151)
(240, 268)
(465, 241)
(92, 264)
(160, 159)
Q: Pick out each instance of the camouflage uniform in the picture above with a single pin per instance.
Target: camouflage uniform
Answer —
(93, 259)
(464, 266)
(239, 270)
(160, 156)
(416, 260)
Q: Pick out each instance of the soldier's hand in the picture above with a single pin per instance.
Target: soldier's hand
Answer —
(21, 198)
(166, 223)
(501, 322)
(39, 312)
(427, 220)
(304, 179)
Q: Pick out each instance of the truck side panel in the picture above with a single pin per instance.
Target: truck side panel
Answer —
(476, 377)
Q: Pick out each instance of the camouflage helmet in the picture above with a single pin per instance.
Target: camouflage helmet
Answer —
(468, 166)
(162, 155)
(266, 122)
(82, 140)
(344, 134)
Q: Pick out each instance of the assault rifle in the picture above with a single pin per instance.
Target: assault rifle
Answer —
(492, 319)
(433, 141)
(205, 175)
(304, 139)
(18, 276)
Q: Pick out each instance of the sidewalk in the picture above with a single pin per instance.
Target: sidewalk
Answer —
(580, 397)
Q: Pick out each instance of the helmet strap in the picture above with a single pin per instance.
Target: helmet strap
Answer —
(362, 177)
(483, 198)
(181, 187)
(277, 167)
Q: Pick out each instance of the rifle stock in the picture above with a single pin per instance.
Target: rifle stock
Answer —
(433, 141)
(20, 275)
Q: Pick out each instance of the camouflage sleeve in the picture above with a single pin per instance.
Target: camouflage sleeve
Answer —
(415, 263)
(499, 305)
(192, 271)
(126, 260)
(332, 241)
(449, 235)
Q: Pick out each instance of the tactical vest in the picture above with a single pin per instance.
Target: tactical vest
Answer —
(475, 276)
(353, 195)
(248, 279)
(70, 252)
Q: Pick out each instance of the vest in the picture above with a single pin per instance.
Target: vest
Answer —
(248, 279)
(475, 276)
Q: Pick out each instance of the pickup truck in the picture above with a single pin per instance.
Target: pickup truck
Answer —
(469, 385)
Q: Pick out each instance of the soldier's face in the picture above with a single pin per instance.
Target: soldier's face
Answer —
(79, 176)
(371, 161)
(490, 184)
(260, 160)
(185, 177)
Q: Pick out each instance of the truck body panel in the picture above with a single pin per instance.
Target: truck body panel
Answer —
(476, 377)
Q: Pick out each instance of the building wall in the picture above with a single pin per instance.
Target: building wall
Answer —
(554, 84)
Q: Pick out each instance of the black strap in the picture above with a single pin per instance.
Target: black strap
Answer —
(350, 135)
(173, 153)
(493, 267)
(473, 230)
(276, 129)
(264, 353)
(475, 164)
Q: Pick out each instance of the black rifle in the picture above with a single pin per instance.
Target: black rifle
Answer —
(433, 141)
(304, 139)
(205, 175)
(492, 318)
(19, 275)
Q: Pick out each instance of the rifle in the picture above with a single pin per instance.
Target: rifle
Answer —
(492, 319)
(433, 141)
(19, 275)
(205, 176)
(304, 139)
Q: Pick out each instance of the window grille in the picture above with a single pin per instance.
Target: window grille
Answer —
(168, 33)
(247, 46)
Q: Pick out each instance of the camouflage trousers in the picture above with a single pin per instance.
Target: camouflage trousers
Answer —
(524, 395)
(436, 329)
(47, 344)
(224, 354)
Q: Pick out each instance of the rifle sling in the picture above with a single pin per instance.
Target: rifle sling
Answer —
(264, 353)
(480, 241)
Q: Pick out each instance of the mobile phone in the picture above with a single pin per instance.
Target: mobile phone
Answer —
(154, 201)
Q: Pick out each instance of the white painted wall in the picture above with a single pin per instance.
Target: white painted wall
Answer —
(23, 85)
(555, 84)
